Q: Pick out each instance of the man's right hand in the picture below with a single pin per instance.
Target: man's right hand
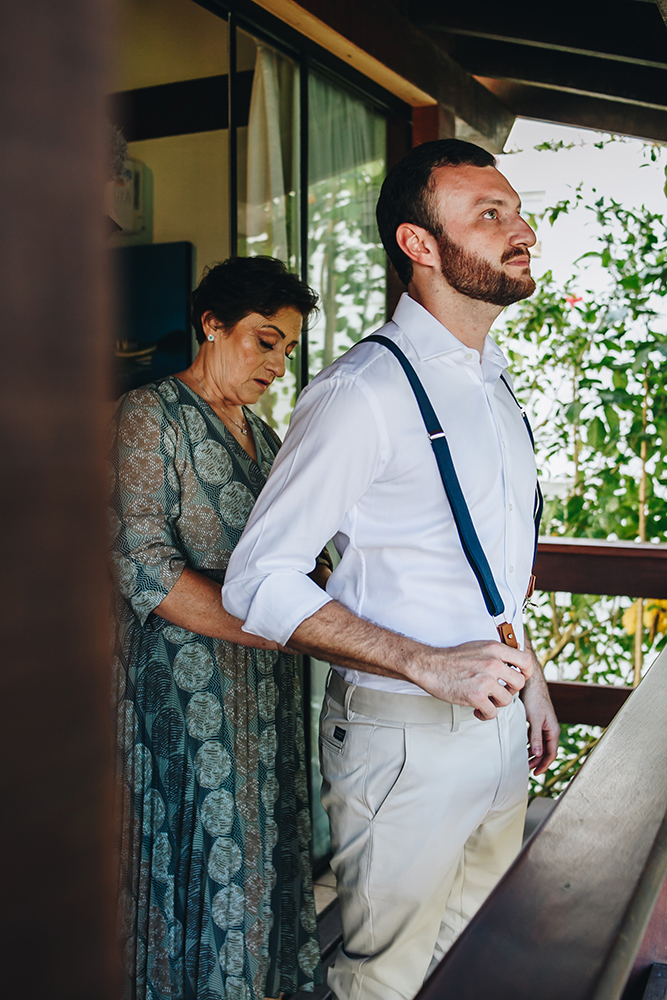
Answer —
(476, 674)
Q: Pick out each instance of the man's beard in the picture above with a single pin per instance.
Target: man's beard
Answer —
(472, 276)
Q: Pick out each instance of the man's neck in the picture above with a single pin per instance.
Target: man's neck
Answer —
(469, 320)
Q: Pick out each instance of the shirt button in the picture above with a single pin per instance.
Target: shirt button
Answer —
(511, 569)
(468, 357)
(511, 506)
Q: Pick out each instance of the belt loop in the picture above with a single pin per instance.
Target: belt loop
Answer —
(456, 718)
(348, 698)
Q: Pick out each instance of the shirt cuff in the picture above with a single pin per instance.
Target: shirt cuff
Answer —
(281, 602)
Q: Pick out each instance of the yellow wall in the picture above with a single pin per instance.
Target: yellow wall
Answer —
(161, 41)
(190, 191)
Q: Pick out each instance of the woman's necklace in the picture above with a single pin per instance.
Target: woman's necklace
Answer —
(244, 430)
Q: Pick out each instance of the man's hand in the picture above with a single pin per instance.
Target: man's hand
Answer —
(543, 728)
(484, 674)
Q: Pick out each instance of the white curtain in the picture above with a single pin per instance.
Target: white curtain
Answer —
(272, 156)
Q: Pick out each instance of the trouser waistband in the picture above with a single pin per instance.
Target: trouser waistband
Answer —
(408, 708)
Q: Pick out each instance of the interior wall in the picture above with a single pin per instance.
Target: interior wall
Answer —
(162, 41)
(190, 191)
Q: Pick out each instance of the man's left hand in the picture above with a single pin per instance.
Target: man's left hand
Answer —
(543, 728)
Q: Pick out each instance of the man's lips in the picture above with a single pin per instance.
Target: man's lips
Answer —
(518, 258)
(264, 382)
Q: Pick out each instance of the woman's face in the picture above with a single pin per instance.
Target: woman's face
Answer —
(244, 361)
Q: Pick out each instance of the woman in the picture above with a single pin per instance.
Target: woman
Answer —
(216, 892)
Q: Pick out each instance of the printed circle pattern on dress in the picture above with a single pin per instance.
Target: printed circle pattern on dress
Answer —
(125, 574)
(213, 463)
(267, 696)
(155, 809)
(195, 425)
(268, 746)
(142, 471)
(236, 502)
(217, 813)
(200, 527)
(224, 860)
(203, 716)
(231, 954)
(309, 957)
(178, 635)
(168, 391)
(146, 600)
(139, 430)
(227, 906)
(161, 857)
(193, 667)
(140, 768)
(212, 764)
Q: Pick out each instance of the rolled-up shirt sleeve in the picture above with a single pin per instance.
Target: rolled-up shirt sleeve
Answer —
(334, 449)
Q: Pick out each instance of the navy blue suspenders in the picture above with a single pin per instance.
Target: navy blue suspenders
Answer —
(470, 542)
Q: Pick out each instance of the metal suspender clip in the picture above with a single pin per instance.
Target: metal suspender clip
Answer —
(437, 434)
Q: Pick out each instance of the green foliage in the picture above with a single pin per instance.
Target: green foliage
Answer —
(591, 363)
(347, 263)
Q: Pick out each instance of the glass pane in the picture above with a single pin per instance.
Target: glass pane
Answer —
(346, 263)
(171, 200)
(268, 185)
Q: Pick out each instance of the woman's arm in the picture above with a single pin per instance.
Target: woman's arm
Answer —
(195, 604)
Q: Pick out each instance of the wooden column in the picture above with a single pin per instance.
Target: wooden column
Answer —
(434, 121)
(55, 918)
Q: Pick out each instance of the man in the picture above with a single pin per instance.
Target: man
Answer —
(423, 735)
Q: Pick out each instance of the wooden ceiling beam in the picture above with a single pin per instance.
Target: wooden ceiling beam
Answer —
(607, 29)
(585, 112)
(620, 81)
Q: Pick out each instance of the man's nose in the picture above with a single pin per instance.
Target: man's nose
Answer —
(523, 234)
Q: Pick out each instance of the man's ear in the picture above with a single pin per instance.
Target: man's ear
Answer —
(418, 244)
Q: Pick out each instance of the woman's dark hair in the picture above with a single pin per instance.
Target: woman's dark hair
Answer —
(239, 286)
(407, 192)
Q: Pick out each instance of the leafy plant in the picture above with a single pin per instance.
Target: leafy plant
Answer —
(591, 364)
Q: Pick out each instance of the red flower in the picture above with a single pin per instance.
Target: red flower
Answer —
(573, 299)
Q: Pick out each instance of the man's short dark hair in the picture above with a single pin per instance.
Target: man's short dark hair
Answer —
(407, 192)
(239, 286)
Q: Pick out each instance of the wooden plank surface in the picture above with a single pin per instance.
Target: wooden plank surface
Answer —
(590, 566)
(591, 704)
(566, 921)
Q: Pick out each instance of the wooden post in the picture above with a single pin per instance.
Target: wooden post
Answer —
(434, 121)
(55, 919)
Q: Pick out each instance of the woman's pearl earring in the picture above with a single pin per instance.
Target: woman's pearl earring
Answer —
(211, 337)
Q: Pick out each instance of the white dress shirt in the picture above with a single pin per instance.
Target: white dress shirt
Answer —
(357, 466)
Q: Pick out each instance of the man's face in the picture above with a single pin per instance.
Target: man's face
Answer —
(484, 241)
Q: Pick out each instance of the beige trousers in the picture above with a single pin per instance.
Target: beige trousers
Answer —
(426, 806)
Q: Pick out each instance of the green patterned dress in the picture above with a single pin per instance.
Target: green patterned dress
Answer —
(215, 899)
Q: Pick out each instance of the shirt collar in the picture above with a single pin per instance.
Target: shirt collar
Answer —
(430, 339)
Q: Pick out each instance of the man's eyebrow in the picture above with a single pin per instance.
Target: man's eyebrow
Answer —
(484, 200)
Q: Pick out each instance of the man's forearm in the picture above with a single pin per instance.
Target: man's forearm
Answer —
(337, 635)
(475, 673)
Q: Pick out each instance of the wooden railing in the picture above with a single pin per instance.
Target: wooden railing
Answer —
(569, 918)
(589, 566)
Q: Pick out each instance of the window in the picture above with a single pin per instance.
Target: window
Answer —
(245, 138)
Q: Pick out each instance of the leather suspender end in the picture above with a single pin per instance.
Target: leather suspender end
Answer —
(507, 636)
(531, 587)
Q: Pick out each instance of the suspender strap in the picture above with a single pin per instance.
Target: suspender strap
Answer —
(466, 530)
